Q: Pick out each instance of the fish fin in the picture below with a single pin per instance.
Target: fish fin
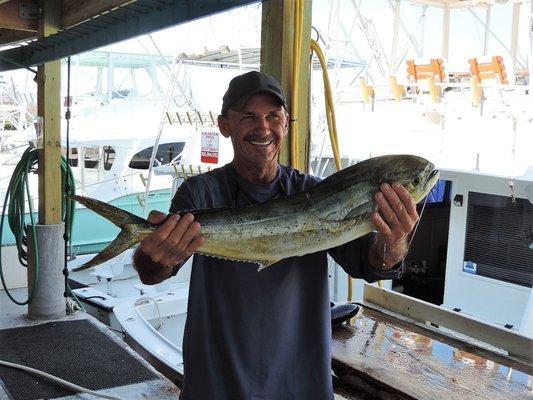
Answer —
(114, 214)
(264, 264)
(121, 243)
(365, 208)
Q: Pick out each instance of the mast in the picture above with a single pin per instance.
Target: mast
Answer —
(392, 61)
(514, 32)
(530, 55)
(446, 31)
(487, 31)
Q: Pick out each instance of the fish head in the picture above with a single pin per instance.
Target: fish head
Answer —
(416, 174)
(353, 189)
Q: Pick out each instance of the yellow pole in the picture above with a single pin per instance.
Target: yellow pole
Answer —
(49, 108)
(285, 55)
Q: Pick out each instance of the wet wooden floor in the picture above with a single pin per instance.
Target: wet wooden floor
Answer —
(387, 358)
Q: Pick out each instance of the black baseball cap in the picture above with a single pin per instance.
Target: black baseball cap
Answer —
(246, 85)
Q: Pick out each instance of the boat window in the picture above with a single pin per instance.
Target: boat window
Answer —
(92, 157)
(143, 81)
(123, 85)
(109, 157)
(499, 238)
(73, 155)
(87, 80)
(166, 152)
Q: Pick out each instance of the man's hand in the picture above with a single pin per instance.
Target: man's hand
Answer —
(394, 221)
(171, 243)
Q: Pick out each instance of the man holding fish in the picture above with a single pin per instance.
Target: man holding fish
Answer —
(267, 334)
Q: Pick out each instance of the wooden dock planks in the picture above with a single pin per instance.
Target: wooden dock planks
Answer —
(396, 360)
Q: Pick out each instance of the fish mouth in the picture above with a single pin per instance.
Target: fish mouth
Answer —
(433, 175)
(432, 179)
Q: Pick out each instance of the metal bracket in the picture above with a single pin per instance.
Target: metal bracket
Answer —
(28, 10)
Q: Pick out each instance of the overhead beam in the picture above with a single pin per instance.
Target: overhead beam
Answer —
(8, 36)
(277, 57)
(10, 18)
(126, 22)
(78, 11)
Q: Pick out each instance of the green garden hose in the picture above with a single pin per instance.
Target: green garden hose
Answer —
(17, 197)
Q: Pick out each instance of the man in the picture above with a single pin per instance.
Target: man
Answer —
(262, 335)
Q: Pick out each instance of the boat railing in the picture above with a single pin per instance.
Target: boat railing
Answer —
(207, 119)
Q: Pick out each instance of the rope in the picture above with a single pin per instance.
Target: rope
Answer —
(59, 381)
(331, 121)
(330, 108)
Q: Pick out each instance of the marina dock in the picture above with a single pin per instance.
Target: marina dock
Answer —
(76, 348)
(380, 356)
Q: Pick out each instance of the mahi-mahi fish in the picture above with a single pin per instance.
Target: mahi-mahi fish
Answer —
(333, 212)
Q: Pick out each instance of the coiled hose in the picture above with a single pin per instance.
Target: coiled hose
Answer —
(17, 197)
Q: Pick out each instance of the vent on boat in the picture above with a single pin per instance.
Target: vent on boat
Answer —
(499, 238)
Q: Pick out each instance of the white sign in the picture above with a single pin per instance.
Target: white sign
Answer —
(210, 146)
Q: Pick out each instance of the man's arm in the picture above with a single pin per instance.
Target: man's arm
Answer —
(168, 246)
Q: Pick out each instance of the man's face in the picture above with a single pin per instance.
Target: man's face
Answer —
(257, 130)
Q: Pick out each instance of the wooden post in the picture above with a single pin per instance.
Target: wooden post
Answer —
(277, 41)
(398, 91)
(49, 108)
(367, 91)
(434, 90)
(477, 91)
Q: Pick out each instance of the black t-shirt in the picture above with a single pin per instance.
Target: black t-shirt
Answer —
(265, 335)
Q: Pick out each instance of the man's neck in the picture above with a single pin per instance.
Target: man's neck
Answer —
(257, 174)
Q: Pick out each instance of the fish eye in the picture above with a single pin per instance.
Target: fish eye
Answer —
(416, 181)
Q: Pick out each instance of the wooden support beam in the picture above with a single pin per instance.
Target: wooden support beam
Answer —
(8, 36)
(49, 109)
(77, 11)
(10, 17)
(277, 55)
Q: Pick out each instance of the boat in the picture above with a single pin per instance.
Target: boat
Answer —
(110, 146)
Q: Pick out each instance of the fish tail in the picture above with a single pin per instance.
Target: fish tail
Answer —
(114, 214)
(122, 242)
(123, 219)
